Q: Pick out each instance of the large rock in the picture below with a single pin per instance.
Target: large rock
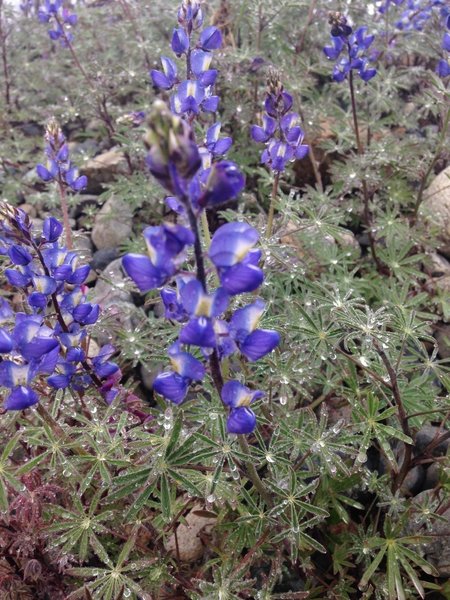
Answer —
(112, 293)
(111, 287)
(436, 207)
(104, 168)
(113, 224)
(190, 535)
(442, 335)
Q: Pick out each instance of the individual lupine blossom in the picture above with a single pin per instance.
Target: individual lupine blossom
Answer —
(443, 67)
(349, 49)
(48, 344)
(206, 324)
(59, 166)
(281, 129)
(61, 18)
(194, 93)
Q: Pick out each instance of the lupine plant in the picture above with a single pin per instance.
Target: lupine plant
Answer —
(224, 304)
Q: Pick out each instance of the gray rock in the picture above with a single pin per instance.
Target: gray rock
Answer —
(102, 258)
(29, 209)
(111, 286)
(84, 201)
(104, 168)
(148, 373)
(436, 208)
(428, 434)
(442, 335)
(436, 265)
(117, 316)
(437, 552)
(113, 224)
(432, 476)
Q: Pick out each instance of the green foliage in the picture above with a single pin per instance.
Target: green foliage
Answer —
(100, 496)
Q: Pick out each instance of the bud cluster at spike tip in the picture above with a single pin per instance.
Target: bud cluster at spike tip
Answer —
(175, 160)
(349, 49)
(53, 11)
(59, 166)
(206, 321)
(47, 345)
(281, 129)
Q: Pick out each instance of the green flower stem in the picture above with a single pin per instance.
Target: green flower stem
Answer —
(402, 416)
(273, 197)
(366, 213)
(65, 214)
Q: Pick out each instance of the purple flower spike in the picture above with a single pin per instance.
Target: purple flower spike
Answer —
(353, 45)
(280, 131)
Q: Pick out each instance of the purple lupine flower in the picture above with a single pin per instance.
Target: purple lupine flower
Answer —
(174, 385)
(236, 261)
(280, 129)
(166, 248)
(174, 161)
(417, 13)
(190, 15)
(59, 167)
(349, 49)
(253, 343)
(443, 67)
(202, 309)
(195, 93)
(241, 420)
(39, 345)
(62, 19)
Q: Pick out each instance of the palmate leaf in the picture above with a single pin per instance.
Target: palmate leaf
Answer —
(398, 557)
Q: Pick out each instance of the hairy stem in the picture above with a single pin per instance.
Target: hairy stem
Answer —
(366, 214)
(273, 198)
(6, 74)
(402, 416)
(65, 213)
